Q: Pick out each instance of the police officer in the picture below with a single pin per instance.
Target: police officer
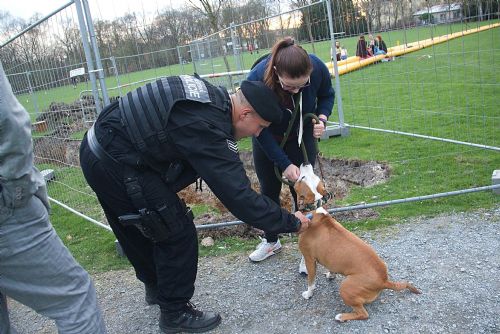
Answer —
(152, 143)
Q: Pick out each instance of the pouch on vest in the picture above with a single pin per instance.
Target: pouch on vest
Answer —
(156, 224)
(173, 172)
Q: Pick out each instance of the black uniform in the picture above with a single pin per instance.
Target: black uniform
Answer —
(197, 137)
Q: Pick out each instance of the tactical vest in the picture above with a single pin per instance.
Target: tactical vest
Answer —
(146, 110)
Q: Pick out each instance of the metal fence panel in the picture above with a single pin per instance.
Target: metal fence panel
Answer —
(442, 97)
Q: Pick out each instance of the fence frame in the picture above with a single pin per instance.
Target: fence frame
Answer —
(94, 65)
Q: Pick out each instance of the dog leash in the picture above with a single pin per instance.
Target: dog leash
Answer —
(283, 142)
(297, 109)
(302, 146)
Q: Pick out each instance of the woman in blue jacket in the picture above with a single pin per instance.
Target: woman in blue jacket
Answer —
(303, 83)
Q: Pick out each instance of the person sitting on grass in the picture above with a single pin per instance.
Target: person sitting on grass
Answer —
(382, 47)
(361, 49)
(336, 52)
(343, 53)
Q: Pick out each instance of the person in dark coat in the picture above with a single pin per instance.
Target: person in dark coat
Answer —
(382, 47)
(361, 49)
(303, 83)
(152, 143)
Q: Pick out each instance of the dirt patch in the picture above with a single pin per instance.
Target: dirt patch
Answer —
(62, 121)
(339, 176)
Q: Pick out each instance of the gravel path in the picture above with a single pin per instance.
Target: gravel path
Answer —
(454, 259)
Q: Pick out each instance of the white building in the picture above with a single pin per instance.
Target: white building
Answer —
(439, 14)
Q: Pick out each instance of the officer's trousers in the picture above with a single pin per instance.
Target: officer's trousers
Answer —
(171, 265)
(37, 270)
(270, 185)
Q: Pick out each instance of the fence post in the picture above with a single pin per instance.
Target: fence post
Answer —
(32, 94)
(197, 55)
(181, 62)
(338, 95)
(117, 75)
(97, 54)
(236, 48)
(88, 55)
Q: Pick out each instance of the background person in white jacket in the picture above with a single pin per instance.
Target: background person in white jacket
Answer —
(36, 268)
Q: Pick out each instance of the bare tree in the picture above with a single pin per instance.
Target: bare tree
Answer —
(254, 12)
(212, 10)
(369, 7)
(306, 17)
(70, 41)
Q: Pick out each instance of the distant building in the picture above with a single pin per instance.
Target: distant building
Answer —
(390, 14)
(439, 14)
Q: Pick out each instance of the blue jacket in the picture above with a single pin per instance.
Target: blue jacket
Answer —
(317, 98)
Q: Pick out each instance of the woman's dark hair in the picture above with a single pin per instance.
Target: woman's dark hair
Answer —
(287, 58)
(379, 37)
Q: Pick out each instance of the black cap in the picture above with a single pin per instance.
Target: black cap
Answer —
(263, 100)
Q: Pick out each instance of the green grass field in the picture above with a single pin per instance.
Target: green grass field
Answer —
(450, 90)
(68, 94)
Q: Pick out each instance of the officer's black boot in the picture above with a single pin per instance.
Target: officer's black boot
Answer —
(151, 294)
(188, 320)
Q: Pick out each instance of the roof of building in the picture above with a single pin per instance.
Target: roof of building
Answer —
(439, 9)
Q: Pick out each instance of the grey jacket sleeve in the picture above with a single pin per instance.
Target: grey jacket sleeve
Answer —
(19, 179)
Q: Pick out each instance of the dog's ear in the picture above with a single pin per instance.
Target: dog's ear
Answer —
(298, 186)
(300, 191)
(321, 212)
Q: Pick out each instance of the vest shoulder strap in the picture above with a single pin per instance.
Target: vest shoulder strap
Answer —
(145, 111)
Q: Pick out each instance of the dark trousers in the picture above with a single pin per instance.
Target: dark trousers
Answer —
(171, 265)
(270, 185)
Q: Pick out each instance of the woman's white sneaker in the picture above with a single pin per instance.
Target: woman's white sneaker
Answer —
(264, 250)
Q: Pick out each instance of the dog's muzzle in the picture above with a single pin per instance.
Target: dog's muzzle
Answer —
(318, 204)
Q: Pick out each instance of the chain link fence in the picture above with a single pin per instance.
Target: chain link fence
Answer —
(444, 93)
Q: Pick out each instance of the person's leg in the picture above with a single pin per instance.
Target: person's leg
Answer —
(176, 257)
(176, 260)
(108, 184)
(269, 183)
(37, 270)
(5, 326)
(271, 187)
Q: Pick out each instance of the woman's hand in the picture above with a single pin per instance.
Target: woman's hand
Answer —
(292, 173)
(319, 127)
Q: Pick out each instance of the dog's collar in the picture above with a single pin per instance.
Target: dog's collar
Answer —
(319, 203)
(312, 206)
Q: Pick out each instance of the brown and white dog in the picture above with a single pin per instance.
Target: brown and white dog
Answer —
(327, 242)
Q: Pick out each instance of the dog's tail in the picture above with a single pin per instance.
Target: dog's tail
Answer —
(398, 286)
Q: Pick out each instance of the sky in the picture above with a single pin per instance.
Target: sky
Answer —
(100, 9)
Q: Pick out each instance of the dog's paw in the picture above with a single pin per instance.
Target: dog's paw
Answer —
(338, 317)
(307, 294)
